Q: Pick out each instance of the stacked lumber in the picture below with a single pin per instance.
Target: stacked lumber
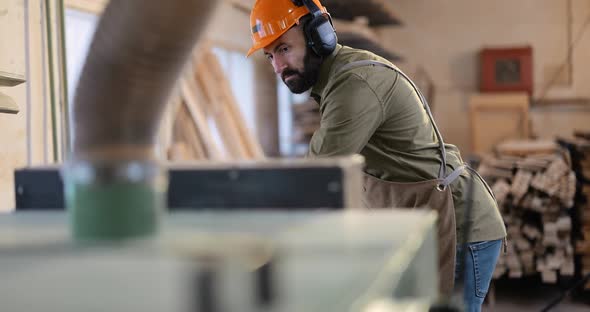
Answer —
(534, 186)
(206, 120)
(306, 120)
(580, 150)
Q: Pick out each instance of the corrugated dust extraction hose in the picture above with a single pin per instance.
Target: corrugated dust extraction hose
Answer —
(114, 186)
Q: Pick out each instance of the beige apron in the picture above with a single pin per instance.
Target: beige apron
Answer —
(431, 194)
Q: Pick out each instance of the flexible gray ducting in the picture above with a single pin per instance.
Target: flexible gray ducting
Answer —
(133, 63)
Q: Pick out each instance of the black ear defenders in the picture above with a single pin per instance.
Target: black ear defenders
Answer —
(319, 32)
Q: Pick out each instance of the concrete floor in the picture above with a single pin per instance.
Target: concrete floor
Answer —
(531, 295)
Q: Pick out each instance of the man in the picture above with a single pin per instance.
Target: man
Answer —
(369, 107)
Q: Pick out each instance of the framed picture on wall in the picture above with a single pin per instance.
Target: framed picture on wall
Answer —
(506, 69)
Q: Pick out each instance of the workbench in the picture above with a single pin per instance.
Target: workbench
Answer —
(223, 261)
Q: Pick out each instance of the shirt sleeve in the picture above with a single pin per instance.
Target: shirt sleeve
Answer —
(351, 112)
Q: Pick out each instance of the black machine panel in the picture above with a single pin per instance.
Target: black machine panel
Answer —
(199, 188)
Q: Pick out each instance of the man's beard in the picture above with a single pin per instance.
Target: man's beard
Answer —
(300, 82)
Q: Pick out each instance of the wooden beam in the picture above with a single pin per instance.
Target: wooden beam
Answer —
(527, 147)
(194, 136)
(184, 132)
(220, 113)
(178, 152)
(166, 133)
(189, 93)
(190, 133)
(252, 145)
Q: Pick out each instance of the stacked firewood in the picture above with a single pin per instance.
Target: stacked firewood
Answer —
(306, 120)
(580, 149)
(535, 188)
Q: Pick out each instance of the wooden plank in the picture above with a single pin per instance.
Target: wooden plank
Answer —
(189, 93)
(527, 147)
(496, 117)
(193, 76)
(179, 152)
(184, 132)
(252, 145)
(166, 133)
(193, 135)
(214, 68)
(179, 148)
(520, 184)
(190, 133)
(220, 113)
(549, 276)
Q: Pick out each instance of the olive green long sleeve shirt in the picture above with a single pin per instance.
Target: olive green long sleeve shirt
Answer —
(374, 111)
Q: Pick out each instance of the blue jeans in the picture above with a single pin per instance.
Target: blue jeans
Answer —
(481, 258)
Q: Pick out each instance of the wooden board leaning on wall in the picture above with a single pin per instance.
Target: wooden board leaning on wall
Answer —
(203, 103)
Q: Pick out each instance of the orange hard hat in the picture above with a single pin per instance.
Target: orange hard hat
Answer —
(270, 19)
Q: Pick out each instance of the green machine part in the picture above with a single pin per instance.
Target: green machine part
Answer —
(109, 201)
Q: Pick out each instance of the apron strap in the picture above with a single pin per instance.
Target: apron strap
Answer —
(451, 177)
(457, 172)
(443, 166)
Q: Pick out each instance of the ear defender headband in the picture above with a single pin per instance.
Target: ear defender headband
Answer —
(319, 32)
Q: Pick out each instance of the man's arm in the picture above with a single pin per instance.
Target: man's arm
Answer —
(352, 113)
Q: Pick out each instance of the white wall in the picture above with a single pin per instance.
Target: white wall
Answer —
(446, 36)
(13, 136)
(23, 137)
